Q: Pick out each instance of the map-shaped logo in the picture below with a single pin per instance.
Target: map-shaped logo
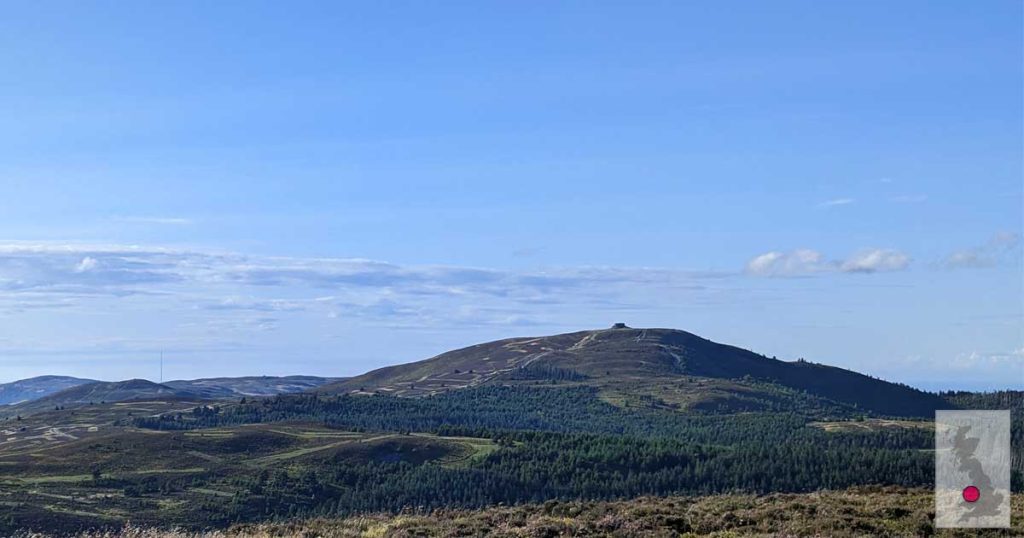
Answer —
(972, 469)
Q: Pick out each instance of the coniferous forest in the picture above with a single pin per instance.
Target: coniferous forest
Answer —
(558, 443)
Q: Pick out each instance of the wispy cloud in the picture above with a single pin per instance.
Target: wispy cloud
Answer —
(975, 359)
(135, 219)
(836, 202)
(803, 262)
(797, 262)
(254, 304)
(126, 303)
(998, 249)
(874, 261)
(51, 273)
(84, 269)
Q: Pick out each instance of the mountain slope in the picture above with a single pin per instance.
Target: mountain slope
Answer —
(234, 387)
(27, 390)
(84, 392)
(100, 392)
(623, 355)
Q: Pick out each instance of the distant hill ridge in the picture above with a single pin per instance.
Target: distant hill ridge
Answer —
(100, 392)
(627, 354)
(79, 392)
(231, 387)
(37, 387)
(620, 356)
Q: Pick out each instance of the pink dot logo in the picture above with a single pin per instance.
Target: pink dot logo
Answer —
(971, 494)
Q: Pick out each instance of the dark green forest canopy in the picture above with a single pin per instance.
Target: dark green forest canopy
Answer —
(567, 443)
(490, 409)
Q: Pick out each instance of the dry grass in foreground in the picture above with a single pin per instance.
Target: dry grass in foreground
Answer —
(879, 511)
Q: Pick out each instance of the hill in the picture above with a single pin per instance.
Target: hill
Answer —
(97, 393)
(46, 393)
(622, 355)
(234, 387)
(27, 390)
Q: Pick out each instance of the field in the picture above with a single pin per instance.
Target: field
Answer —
(91, 469)
(871, 425)
(50, 429)
(876, 512)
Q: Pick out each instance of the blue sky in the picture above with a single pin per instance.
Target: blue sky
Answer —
(325, 188)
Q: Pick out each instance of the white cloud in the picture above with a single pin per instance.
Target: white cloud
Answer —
(837, 202)
(87, 264)
(803, 262)
(875, 260)
(797, 262)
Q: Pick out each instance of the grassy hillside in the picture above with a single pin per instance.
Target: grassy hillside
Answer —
(849, 513)
(37, 387)
(62, 477)
(624, 355)
(235, 387)
(49, 392)
(97, 393)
